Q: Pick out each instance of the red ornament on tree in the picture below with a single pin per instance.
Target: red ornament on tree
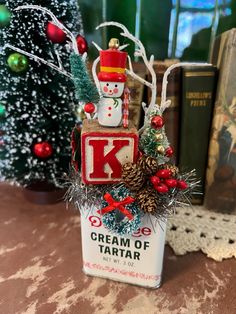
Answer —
(89, 108)
(43, 150)
(55, 34)
(157, 122)
(82, 44)
(169, 151)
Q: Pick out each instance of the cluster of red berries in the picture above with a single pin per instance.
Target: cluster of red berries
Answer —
(163, 181)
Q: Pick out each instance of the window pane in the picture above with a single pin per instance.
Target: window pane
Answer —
(200, 4)
(194, 27)
(190, 24)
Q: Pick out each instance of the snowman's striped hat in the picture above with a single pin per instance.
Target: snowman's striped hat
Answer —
(112, 63)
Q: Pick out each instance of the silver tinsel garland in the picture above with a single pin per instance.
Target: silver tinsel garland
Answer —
(88, 197)
(83, 197)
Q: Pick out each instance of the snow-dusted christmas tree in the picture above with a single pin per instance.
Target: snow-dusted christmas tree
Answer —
(37, 102)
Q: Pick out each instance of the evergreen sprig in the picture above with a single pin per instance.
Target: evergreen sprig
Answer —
(85, 89)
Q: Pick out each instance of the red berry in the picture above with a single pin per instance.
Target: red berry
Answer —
(157, 122)
(171, 183)
(161, 188)
(89, 107)
(169, 151)
(182, 185)
(164, 173)
(155, 180)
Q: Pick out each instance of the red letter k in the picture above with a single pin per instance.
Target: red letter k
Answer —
(100, 159)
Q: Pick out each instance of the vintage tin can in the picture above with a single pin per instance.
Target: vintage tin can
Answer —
(135, 259)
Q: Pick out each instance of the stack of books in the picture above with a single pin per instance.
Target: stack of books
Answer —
(201, 121)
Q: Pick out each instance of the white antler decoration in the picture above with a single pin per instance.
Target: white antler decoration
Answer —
(164, 101)
(59, 68)
(95, 63)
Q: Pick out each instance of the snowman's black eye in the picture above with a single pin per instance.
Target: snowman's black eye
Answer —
(107, 84)
(116, 85)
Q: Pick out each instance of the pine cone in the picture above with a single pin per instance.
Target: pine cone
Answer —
(132, 176)
(148, 164)
(147, 200)
(174, 170)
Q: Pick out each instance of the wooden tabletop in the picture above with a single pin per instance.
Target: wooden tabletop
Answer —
(40, 270)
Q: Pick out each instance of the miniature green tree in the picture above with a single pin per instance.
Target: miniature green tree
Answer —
(36, 102)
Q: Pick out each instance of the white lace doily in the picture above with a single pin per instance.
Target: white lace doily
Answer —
(193, 229)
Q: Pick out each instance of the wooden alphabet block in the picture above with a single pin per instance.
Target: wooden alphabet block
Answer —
(104, 150)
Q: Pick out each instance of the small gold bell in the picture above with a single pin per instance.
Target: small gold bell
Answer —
(160, 149)
(114, 43)
(159, 137)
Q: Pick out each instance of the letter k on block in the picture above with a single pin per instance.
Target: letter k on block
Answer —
(104, 151)
(100, 159)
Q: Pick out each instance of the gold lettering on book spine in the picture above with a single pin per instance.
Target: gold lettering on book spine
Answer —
(198, 95)
(198, 103)
(191, 74)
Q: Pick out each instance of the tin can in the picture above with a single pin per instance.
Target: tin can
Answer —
(135, 259)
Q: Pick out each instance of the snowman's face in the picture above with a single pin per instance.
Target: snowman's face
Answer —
(112, 89)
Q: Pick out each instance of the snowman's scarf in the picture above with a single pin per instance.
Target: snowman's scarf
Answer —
(116, 102)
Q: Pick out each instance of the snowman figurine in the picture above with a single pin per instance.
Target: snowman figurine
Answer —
(112, 79)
